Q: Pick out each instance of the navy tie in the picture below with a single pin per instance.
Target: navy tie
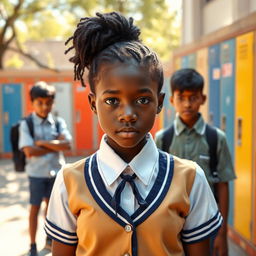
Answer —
(117, 196)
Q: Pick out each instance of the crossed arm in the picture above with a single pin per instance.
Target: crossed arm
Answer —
(43, 147)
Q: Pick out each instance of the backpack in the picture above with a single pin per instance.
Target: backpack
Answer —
(18, 156)
(212, 140)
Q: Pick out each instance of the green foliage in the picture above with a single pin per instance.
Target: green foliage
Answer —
(56, 19)
(14, 62)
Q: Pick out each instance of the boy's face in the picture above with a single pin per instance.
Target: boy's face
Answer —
(126, 102)
(187, 104)
(42, 106)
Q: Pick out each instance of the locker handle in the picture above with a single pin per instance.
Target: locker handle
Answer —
(223, 123)
(239, 131)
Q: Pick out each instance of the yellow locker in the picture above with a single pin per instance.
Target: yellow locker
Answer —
(254, 148)
(202, 68)
(243, 135)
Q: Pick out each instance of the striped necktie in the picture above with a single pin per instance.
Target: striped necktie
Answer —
(115, 202)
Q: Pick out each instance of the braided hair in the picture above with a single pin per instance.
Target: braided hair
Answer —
(108, 38)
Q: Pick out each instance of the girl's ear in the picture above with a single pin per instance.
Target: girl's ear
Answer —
(91, 98)
(160, 102)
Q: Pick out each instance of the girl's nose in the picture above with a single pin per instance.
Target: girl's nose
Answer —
(128, 114)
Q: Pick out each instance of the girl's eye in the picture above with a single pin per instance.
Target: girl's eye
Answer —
(143, 101)
(112, 101)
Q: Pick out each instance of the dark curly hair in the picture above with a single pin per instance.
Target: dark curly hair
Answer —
(108, 38)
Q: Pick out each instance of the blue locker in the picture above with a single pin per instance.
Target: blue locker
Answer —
(12, 111)
(184, 62)
(169, 111)
(192, 60)
(214, 85)
(227, 103)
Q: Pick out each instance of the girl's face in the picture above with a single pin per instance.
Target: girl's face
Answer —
(126, 102)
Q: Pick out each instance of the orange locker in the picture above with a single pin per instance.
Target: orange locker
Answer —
(83, 121)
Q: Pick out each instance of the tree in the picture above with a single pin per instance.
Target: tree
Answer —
(22, 20)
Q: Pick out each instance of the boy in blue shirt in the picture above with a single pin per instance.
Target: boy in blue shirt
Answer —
(189, 141)
(43, 152)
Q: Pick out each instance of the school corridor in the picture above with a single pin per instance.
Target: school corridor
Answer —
(13, 215)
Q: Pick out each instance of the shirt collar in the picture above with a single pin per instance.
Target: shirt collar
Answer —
(39, 120)
(199, 126)
(111, 165)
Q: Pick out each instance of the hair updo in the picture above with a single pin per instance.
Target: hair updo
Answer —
(108, 38)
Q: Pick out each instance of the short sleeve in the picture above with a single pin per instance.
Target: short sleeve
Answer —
(204, 218)
(60, 223)
(64, 130)
(25, 139)
(225, 165)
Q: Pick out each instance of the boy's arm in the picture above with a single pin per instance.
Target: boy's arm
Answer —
(30, 151)
(60, 144)
(201, 248)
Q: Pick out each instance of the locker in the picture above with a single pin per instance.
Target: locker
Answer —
(64, 92)
(192, 60)
(83, 118)
(169, 111)
(202, 68)
(227, 104)
(177, 63)
(254, 148)
(243, 135)
(184, 62)
(28, 103)
(11, 111)
(214, 85)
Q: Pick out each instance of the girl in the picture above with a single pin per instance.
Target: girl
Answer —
(128, 198)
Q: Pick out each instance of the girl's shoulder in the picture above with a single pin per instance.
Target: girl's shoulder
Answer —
(74, 169)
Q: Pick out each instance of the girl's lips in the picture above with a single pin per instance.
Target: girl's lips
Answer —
(127, 134)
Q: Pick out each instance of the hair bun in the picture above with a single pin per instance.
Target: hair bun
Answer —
(94, 34)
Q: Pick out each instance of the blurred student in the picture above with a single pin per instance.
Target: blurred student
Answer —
(191, 138)
(42, 148)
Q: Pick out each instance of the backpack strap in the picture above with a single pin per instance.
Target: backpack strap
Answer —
(29, 121)
(212, 140)
(57, 124)
(167, 138)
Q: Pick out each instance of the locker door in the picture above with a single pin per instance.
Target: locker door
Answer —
(202, 68)
(169, 111)
(254, 148)
(214, 84)
(177, 63)
(184, 62)
(83, 119)
(192, 60)
(227, 111)
(12, 111)
(64, 95)
(243, 134)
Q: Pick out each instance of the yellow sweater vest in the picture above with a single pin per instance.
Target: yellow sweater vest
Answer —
(154, 231)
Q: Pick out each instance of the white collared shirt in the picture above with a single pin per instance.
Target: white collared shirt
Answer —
(111, 165)
(44, 129)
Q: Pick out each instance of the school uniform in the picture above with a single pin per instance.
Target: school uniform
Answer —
(191, 143)
(180, 205)
(42, 170)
